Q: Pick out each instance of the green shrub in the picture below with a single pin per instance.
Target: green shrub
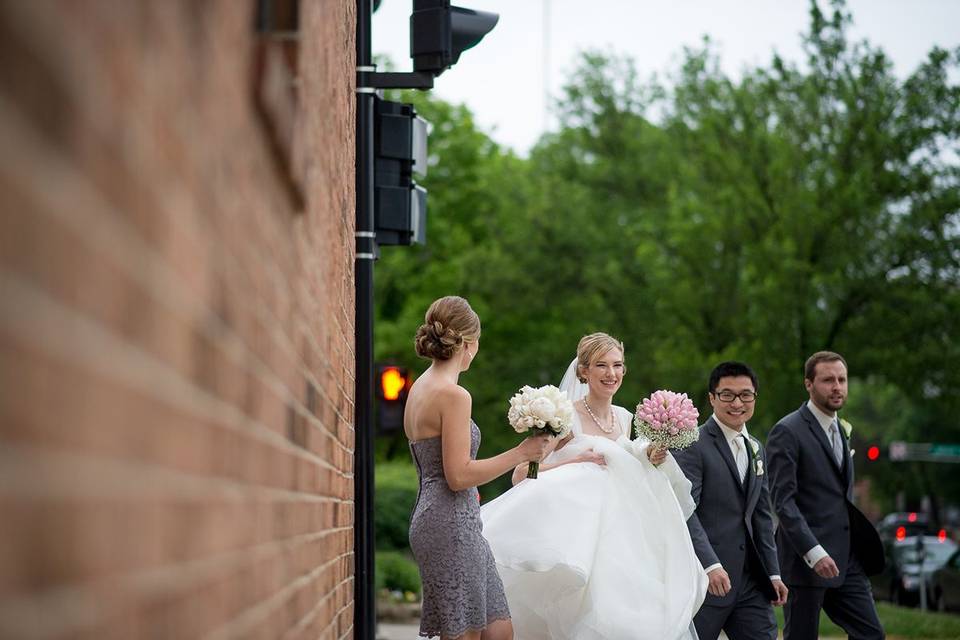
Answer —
(396, 571)
(391, 517)
(395, 494)
(396, 473)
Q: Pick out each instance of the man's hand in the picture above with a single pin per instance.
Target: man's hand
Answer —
(719, 582)
(782, 591)
(826, 568)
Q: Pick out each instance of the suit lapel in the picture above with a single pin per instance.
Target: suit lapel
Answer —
(847, 467)
(821, 437)
(752, 481)
(720, 441)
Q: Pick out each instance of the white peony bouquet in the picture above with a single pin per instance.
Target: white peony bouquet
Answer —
(542, 410)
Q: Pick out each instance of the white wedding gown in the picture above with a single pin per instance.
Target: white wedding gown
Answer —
(598, 553)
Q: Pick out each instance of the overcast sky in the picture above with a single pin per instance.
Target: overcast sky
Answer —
(505, 78)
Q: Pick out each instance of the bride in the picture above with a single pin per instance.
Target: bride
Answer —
(597, 547)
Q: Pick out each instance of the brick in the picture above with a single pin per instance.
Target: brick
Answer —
(176, 329)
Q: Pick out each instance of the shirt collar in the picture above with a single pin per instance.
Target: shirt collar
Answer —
(728, 433)
(824, 420)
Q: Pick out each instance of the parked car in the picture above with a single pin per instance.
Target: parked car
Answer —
(911, 562)
(901, 524)
(945, 584)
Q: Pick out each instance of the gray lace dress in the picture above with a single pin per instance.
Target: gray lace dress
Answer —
(461, 588)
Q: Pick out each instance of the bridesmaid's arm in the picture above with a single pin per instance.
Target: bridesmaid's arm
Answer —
(460, 471)
(520, 471)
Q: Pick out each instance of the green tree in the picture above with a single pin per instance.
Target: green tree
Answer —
(800, 207)
(798, 210)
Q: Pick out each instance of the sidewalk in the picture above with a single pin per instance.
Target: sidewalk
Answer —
(391, 631)
(386, 631)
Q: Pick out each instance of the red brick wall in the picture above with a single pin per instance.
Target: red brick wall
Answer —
(176, 324)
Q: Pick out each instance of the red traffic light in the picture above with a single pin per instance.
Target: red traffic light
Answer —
(392, 383)
(873, 452)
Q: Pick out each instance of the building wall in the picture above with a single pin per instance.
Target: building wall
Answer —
(176, 321)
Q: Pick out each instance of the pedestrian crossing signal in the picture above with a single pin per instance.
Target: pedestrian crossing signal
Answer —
(393, 383)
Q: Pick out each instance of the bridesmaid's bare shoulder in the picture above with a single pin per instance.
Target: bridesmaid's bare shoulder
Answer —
(453, 394)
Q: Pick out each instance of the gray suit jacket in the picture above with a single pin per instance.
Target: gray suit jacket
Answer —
(731, 519)
(813, 498)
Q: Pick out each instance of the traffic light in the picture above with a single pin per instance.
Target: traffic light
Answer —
(393, 383)
(400, 147)
(439, 33)
(873, 452)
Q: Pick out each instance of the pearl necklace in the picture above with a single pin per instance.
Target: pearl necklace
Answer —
(592, 415)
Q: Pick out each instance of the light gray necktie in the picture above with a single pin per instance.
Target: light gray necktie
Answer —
(741, 456)
(836, 444)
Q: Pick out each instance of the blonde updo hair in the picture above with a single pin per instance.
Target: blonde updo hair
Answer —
(593, 346)
(448, 323)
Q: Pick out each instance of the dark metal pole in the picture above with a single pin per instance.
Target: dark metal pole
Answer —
(365, 605)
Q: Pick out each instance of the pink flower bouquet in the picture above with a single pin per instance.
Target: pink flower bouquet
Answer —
(667, 419)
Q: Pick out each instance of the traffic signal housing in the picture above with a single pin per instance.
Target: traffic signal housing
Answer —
(439, 33)
(393, 384)
(400, 145)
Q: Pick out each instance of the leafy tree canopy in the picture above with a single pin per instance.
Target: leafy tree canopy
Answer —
(803, 206)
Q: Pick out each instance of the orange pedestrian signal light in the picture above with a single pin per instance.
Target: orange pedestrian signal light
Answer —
(873, 453)
(392, 383)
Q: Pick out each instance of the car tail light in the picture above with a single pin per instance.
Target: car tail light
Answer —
(912, 517)
(901, 533)
(942, 535)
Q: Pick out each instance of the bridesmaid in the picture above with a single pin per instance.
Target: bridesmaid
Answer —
(462, 592)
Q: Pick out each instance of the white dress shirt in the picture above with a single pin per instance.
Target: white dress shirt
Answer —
(731, 435)
(814, 556)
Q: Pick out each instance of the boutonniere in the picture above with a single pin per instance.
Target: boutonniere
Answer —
(847, 428)
(757, 462)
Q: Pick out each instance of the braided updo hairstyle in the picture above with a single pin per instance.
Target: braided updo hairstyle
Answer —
(448, 323)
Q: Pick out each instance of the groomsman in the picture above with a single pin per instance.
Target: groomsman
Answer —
(827, 546)
(732, 528)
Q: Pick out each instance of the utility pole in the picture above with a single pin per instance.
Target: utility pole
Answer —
(364, 599)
